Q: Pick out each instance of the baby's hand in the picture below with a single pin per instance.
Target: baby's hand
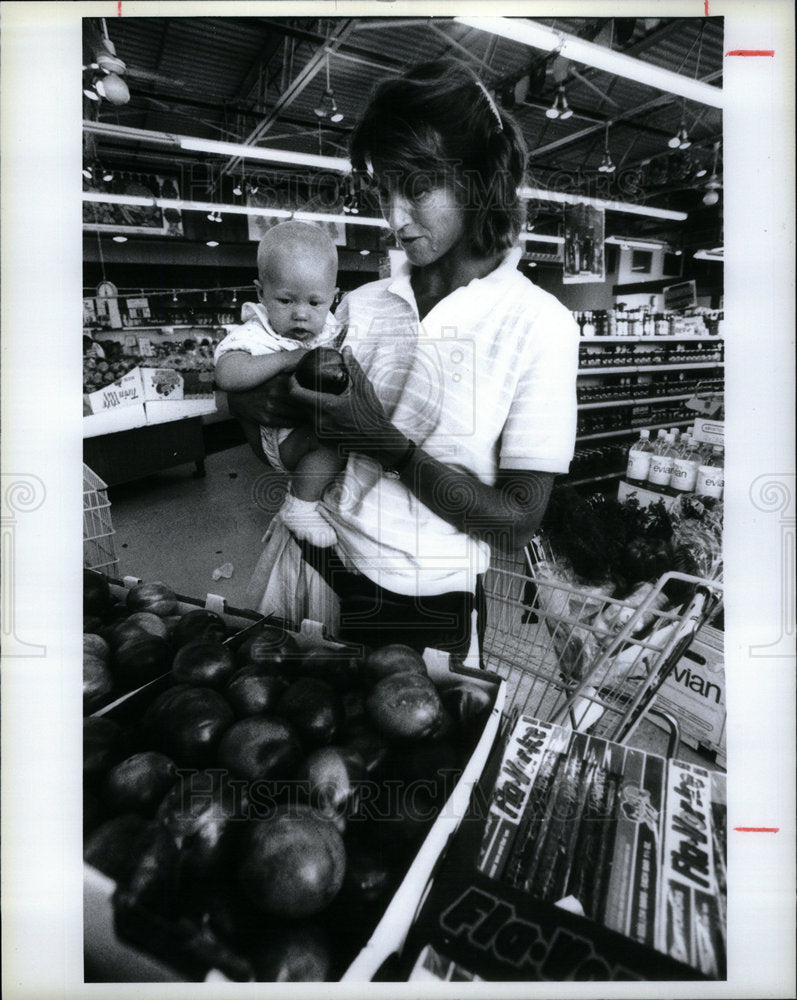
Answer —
(292, 358)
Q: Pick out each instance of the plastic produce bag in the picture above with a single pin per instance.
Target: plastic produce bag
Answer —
(284, 585)
(569, 607)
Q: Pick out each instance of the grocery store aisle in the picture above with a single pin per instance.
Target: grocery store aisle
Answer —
(177, 528)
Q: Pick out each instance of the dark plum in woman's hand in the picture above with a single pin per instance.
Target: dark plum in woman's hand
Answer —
(323, 370)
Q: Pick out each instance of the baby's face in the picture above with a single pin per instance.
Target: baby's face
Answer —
(297, 294)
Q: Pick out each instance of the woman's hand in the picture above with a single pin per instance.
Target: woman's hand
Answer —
(355, 420)
(269, 404)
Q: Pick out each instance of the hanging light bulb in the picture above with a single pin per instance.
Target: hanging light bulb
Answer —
(204, 296)
(107, 175)
(174, 295)
(684, 142)
(238, 190)
(553, 111)
(119, 239)
(565, 111)
(606, 165)
(328, 107)
(711, 197)
(211, 243)
(234, 295)
(113, 89)
(87, 172)
(701, 172)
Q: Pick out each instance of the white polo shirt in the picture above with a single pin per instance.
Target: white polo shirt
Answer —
(486, 381)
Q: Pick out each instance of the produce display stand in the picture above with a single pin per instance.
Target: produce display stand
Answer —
(146, 448)
(562, 665)
(118, 960)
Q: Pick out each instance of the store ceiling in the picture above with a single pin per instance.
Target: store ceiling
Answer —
(260, 79)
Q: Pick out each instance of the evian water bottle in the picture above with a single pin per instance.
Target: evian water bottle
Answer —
(711, 474)
(639, 455)
(684, 467)
(661, 466)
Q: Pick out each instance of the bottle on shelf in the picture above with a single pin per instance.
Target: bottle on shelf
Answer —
(711, 473)
(684, 467)
(675, 435)
(661, 463)
(588, 329)
(639, 456)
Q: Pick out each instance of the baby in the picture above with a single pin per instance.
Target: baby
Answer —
(297, 267)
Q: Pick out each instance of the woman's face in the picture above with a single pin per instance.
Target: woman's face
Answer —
(426, 217)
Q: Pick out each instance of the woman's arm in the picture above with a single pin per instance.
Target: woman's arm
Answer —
(507, 514)
(238, 371)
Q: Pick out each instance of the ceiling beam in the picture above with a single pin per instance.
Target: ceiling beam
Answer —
(305, 76)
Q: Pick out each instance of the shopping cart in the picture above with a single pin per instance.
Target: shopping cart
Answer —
(573, 656)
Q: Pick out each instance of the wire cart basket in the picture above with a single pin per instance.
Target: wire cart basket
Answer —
(573, 656)
(99, 547)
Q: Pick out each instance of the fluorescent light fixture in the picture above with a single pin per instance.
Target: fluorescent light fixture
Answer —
(120, 239)
(117, 199)
(538, 194)
(337, 163)
(215, 208)
(538, 36)
(539, 238)
(718, 254)
(635, 244)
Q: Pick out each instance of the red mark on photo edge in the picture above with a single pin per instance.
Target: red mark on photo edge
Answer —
(751, 52)
(705, 8)
(119, 8)
(757, 829)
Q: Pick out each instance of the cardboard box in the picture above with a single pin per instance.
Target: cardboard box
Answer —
(661, 902)
(695, 694)
(646, 498)
(124, 418)
(118, 960)
(137, 386)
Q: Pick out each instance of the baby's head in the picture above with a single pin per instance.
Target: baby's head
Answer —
(297, 265)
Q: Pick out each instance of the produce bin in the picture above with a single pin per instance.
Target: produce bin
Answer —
(113, 957)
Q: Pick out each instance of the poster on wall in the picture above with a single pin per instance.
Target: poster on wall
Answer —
(141, 220)
(584, 234)
(266, 197)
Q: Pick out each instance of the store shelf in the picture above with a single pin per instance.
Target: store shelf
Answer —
(635, 402)
(692, 338)
(633, 430)
(596, 479)
(631, 369)
(162, 327)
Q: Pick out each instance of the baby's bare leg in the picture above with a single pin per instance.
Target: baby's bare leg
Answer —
(313, 467)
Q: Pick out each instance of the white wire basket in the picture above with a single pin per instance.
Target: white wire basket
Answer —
(99, 546)
(573, 656)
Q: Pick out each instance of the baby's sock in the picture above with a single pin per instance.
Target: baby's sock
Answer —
(305, 521)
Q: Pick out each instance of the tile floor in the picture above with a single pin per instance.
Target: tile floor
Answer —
(177, 528)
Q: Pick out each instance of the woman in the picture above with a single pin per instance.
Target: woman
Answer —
(461, 405)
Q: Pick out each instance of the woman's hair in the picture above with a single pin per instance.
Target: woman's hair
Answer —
(438, 122)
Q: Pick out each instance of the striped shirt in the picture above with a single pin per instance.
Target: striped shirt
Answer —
(486, 381)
